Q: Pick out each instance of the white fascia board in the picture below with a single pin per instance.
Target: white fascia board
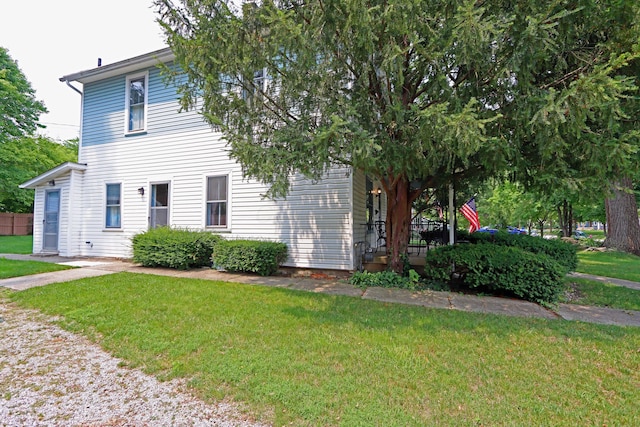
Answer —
(52, 174)
(121, 67)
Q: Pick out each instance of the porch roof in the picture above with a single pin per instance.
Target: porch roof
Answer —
(53, 173)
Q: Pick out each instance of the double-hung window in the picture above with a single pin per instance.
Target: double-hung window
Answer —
(217, 201)
(136, 103)
(255, 88)
(113, 218)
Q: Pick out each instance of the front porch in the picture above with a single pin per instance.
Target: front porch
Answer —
(380, 261)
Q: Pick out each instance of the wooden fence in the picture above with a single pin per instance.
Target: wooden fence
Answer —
(14, 224)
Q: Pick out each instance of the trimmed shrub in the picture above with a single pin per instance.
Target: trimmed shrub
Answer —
(174, 248)
(252, 256)
(562, 252)
(484, 266)
(386, 279)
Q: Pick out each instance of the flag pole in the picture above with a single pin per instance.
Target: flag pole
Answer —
(452, 216)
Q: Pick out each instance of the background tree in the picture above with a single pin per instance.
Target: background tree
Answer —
(596, 149)
(621, 204)
(502, 205)
(19, 109)
(25, 158)
(402, 90)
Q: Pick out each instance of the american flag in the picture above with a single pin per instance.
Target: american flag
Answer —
(469, 211)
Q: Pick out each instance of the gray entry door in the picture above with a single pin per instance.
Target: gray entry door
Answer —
(51, 220)
(159, 209)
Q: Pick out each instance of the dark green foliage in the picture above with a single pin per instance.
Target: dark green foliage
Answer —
(174, 248)
(562, 252)
(386, 279)
(414, 91)
(252, 256)
(496, 268)
(24, 158)
(19, 108)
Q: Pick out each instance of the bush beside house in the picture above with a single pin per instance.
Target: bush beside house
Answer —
(562, 252)
(498, 269)
(523, 266)
(250, 256)
(174, 248)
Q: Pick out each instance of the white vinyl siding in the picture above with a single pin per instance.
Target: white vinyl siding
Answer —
(69, 214)
(315, 220)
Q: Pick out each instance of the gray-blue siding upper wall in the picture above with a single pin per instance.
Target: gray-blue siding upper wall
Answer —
(103, 115)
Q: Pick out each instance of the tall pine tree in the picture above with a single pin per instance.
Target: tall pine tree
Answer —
(406, 91)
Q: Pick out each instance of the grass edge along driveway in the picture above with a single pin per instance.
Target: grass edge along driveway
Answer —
(12, 268)
(314, 359)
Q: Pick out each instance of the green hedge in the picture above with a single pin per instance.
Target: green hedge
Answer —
(386, 279)
(251, 256)
(484, 266)
(563, 252)
(174, 248)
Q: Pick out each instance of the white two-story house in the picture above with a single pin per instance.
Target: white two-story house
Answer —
(144, 164)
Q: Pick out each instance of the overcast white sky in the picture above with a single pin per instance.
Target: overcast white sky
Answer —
(53, 38)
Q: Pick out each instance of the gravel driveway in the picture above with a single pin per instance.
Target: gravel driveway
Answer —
(50, 377)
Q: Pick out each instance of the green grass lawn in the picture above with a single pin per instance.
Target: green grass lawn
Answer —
(596, 234)
(615, 264)
(11, 268)
(315, 359)
(589, 292)
(16, 244)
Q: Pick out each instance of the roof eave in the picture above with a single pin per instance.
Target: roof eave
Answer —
(52, 174)
(121, 67)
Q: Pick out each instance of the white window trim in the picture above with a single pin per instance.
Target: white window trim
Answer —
(104, 208)
(216, 228)
(136, 76)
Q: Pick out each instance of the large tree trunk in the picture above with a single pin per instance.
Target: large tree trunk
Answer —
(623, 229)
(398, 222)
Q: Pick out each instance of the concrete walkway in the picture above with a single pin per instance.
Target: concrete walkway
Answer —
(443, 300)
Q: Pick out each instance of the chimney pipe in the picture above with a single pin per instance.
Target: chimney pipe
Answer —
(99, 62)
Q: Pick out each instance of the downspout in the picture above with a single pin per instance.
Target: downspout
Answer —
(73, 87)
(73, 193)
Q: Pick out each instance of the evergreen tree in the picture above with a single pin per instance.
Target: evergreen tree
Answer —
(406, 91)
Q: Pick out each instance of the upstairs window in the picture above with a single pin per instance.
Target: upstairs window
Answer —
(217, 200)
(254, 89)
(113, 206)
(136, 108)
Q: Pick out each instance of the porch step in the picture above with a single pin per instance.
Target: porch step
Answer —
(46, 254)
(379, 263)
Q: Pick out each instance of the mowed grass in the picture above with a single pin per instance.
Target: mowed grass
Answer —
(314, 359)
(16, 244)
(589, 292)
(614, 264)
(611, 264)
(12, 268)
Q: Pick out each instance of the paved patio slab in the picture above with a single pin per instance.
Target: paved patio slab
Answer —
(618, 282)
(26, 282)
(403, 296)
(495, 305)
(606, 316)
(326, 287)
(334, 286)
